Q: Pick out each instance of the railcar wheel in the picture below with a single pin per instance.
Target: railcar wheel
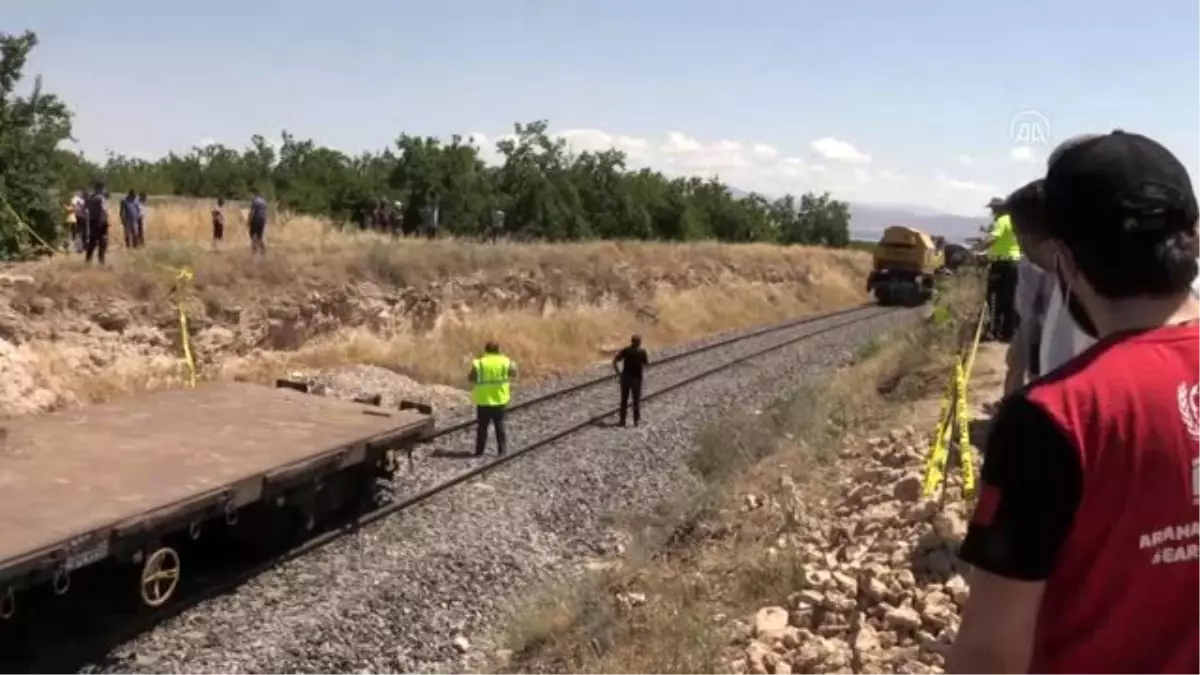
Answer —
(160, 577)
(61, 583)
(8, 604)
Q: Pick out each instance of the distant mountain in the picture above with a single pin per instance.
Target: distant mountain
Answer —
(868, 221)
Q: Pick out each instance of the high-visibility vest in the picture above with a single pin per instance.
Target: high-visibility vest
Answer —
(491, 380)
(1004, 245)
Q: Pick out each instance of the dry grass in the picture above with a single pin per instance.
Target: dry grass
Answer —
(717, 561)
(544, 345)
(563, 305)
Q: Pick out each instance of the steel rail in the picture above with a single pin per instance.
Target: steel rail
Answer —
(87, 652)
(602, 379)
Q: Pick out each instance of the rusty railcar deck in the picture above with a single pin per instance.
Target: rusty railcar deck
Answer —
(88, 471)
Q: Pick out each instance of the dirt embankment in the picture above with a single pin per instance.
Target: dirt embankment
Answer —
(73, 334)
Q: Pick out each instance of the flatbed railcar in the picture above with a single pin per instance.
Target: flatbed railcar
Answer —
(117, 484)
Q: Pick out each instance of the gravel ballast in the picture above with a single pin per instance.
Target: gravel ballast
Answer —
(413, 591)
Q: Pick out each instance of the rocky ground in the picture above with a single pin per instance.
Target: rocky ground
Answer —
(422, 590)
(883, 583)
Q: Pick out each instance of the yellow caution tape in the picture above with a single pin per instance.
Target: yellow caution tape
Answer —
(965, 456)
(953, 413)
(935, 467)
(182, 276)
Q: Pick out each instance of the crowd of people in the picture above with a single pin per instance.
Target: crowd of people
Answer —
(389, 218)
(1085, 539)
(86, 221)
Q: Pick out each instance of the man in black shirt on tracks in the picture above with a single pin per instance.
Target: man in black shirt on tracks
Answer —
(633, 360)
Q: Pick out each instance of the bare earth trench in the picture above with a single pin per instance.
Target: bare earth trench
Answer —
(401, 593)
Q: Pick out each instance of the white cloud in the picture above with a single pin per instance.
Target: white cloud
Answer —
(1022, 153)
(945, 181)
(839, 151)
(205, 142)
(763, 151)
(966, 160)
(595, 140)
(843, 170)
(679, 142)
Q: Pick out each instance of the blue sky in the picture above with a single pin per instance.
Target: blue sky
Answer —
(879, 101)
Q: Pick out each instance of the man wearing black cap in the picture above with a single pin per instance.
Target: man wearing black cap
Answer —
(1085, 539)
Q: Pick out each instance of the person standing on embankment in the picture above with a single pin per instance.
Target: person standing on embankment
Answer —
(97, 225)
(258, 223)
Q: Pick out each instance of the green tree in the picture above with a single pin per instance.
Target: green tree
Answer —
(547, 191)
(819, 220)
(32, 168)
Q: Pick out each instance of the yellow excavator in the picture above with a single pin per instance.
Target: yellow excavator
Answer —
(905, 266)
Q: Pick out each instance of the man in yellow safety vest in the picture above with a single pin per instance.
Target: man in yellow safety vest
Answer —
(491, 374)
(1003, 253)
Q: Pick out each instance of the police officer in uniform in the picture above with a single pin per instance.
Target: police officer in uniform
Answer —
(1003, 252)
(491, 374)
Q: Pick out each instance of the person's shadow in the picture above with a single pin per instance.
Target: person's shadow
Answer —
(443, 453)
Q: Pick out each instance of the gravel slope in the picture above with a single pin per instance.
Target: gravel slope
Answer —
(395, 596)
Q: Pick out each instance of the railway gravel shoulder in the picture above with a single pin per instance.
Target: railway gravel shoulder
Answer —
(451, 454)
(396, 595)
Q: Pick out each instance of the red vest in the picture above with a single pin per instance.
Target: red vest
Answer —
(1125, 594)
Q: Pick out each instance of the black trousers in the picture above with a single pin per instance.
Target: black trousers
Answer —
(257, 229)
(631, 388)
(493, 415)
(1002, 293)
(96, 243)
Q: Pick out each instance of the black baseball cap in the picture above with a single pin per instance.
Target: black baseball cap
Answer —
(1117, 186)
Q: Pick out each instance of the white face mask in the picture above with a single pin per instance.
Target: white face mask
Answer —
(1079, 315)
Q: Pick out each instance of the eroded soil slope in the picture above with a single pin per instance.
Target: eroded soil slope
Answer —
(74, 334)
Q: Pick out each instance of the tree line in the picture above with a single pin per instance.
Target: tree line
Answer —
(545, 190)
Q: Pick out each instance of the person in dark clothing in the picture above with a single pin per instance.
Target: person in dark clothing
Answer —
(218, 221)
(97, 225)
(258, 223)
(383, 217)
(129, 217)
(630, 363)
(396, 219)
(431, 219)
(1083, 541)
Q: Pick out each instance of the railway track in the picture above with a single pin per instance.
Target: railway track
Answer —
(97, 628)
